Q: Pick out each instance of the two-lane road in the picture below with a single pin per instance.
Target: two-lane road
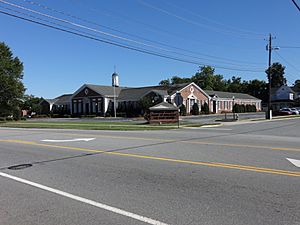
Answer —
(235, 174)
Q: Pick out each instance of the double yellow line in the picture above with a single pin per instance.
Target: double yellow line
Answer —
(210, 164)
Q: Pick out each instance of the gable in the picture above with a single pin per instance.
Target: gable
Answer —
(193, 90)
(86, 92)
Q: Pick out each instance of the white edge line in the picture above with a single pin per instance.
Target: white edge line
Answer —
(84, 200)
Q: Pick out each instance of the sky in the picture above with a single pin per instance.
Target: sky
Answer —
(166, 38)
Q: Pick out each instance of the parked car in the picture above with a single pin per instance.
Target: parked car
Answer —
(295, 111)
(285, 111)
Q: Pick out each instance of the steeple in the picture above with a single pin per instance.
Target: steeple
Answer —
(115, 78)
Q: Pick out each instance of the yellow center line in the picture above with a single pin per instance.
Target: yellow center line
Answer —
(210, 164)
(191, 142)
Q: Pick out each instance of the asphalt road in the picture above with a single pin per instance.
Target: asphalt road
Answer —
(233, 174)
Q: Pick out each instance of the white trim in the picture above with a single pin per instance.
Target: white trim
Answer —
(87, 86)
(200, 89)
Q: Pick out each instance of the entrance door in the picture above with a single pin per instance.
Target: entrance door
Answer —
(215, 106)
(87, 108)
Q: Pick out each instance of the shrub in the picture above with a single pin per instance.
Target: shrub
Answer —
(205, 108)
(243, 108)
(195, 109)
(182, 110)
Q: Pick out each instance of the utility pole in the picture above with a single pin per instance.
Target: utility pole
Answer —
(270, 48)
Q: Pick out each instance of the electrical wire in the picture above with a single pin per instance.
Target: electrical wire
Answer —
(280, 56)
(220, 59)
(154, 28)
(101, 32)
(120, 45)
(216, 22)
(196, 23)
(297, 6)
(289, 46)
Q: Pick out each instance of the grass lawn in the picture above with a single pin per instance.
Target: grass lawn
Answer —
(98, 125)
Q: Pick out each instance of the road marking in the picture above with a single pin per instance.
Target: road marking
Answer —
(70, 140)
(295, 162)
(214, 128)
(209, 164)
(85, 200)
(212, 125)
(191, 142)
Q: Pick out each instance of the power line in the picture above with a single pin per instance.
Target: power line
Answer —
(154, 28)
(101, 32)
(145, 39)
(214, 21)
(194, 22)
(289, 46)
(288, 62)
(297, 6)
(121, 45)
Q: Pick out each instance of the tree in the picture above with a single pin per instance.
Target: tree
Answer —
(31, 103)
(195, 109)
(11, 86)
(235, 85)
(205, 108)
(257, 88)
(166, 82)
(276, 71)
(297, 84)
(206, 79)
(179, 80)
(182, 109)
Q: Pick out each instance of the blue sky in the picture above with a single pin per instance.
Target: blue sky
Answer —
(226, 34)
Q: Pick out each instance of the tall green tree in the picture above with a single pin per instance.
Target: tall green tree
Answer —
(204, 78)
(276, 71)
(297, 84)
(235, 84)
(11, 86)
(166, 82)
(31, 103)
(180, 80)
(258, 89)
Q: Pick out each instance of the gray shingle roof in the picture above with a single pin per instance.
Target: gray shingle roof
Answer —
(50, 101)
(163, 106)
(105, 90)
(135, 94)
(230, 95)
(63, 99)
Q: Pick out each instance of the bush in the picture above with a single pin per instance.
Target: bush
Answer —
(205, 108)
(2, 119)
(195, 109)
(182, 110)
(243, 108)
(9, 119)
